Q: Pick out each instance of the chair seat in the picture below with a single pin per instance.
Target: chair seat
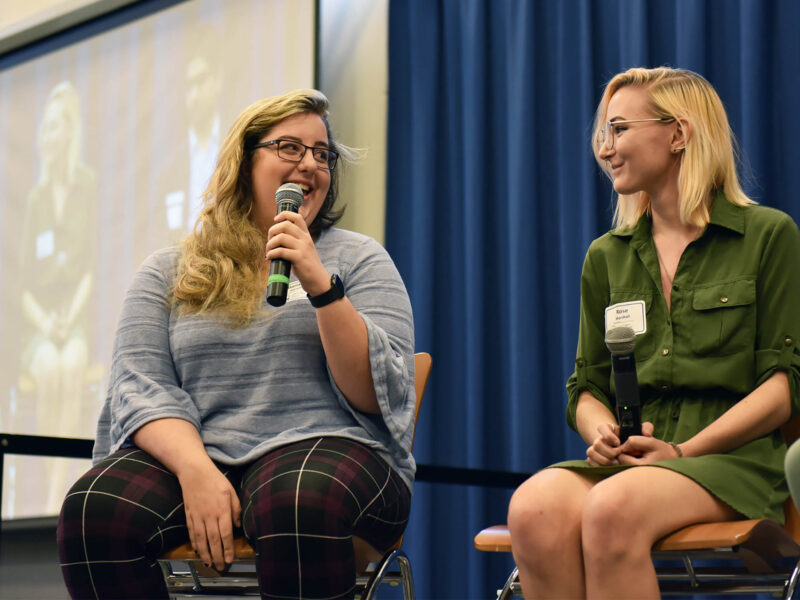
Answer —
(757, 534)
(186, 576)
(241, 551)
(493, 539)
(760, 535)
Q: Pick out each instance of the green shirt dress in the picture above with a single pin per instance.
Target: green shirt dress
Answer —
(734, 321)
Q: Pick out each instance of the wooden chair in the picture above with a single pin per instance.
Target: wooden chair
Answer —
(747, 557)
(187, 577)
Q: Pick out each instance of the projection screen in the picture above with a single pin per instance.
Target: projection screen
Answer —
(105, 148)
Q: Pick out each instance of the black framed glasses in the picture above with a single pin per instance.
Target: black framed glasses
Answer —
(294, 151)
(608, 133)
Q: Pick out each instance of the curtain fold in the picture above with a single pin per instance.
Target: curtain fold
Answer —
(493, 197)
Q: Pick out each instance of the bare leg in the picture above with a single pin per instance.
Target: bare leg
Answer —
(625, 515)
(544, 518)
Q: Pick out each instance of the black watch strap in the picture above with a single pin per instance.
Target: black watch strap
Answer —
(333, 294)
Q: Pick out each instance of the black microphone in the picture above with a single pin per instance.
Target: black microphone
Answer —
(621, 341)
(288, 197)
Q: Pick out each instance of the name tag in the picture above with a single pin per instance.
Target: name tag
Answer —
(627, 314)
(295, 292)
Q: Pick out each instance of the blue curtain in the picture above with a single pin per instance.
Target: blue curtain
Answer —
(493, 197)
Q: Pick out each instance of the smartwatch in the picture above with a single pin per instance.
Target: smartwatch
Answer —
(335, 293)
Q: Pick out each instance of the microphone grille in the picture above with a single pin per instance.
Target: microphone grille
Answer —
(620, 340)
(289, 192)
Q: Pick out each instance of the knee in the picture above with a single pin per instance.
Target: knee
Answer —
(81, 510)
(610, 524)
(82, 505)
(95, 505)
(70, 517)
(541, 516)
(312, 506)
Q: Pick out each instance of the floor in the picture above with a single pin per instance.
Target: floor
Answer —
(29, 561)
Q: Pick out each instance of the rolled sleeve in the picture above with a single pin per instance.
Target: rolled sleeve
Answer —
(592, 363)
(778, 305)
(375, 289)
(143, 384)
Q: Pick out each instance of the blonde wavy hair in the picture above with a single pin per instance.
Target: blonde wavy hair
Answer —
(708, 162)
(220, 270)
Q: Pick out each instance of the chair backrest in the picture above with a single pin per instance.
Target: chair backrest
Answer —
(365, 553)
(791, 432)
(422, 371)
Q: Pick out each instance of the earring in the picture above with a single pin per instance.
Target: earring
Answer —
(676, 150)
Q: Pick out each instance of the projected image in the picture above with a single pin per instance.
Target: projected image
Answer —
(58, 246)
(106, 148)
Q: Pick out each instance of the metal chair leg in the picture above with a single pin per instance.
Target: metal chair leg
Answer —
(198, 587)
(405, 575)
(507, 592)
(687, 564)
(380, 572)
(791, 583)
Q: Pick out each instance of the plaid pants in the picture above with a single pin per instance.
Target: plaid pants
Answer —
(301, 505)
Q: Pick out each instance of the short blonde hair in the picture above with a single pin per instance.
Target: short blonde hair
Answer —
(222, 258)
(708, 162)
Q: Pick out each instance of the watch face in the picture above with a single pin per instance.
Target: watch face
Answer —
(336, 282)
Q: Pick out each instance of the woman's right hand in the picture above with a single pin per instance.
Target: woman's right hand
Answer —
(211, 504)
(212, 509)
(604, 449)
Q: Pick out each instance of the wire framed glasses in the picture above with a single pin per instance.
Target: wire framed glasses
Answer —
(608, 133)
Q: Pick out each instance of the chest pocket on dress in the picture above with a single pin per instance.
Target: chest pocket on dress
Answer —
(723, 319)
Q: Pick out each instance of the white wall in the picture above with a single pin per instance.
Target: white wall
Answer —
(353, 73)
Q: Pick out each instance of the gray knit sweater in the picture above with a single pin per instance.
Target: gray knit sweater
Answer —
(251, 390)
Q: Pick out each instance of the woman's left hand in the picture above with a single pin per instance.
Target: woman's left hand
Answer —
(645, 449)
(290, 240)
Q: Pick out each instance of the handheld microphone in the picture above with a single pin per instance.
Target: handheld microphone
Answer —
(621, 341)
(288, 197)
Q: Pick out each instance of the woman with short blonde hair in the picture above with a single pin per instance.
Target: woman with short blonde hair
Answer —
(701, 285)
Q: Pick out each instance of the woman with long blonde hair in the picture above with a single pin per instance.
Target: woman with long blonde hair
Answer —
(57, 263)
(706, 282)
(292, 423)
